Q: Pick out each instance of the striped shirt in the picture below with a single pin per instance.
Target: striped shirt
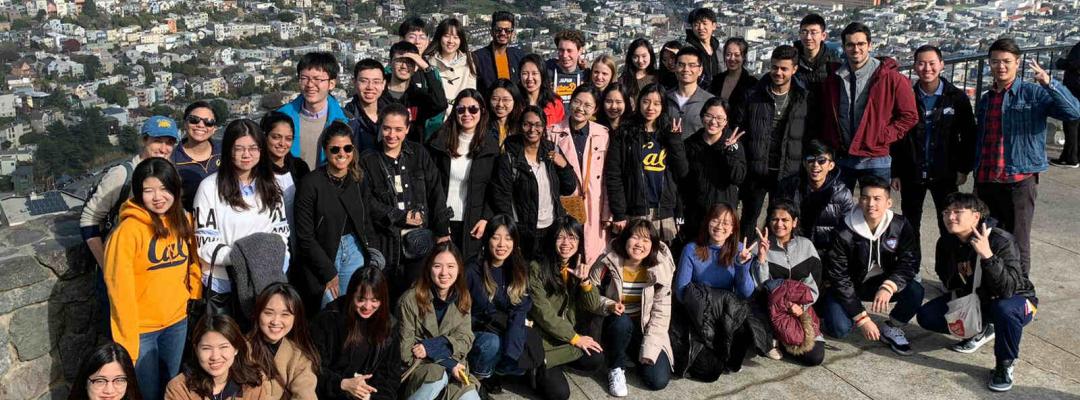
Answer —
(634, 283)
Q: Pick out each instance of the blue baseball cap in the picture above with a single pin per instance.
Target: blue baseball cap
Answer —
(160, 126)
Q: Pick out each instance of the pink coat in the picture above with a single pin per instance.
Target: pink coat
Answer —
(596, 204)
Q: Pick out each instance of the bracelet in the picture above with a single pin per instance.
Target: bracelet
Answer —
(858, 321)
(887, 289)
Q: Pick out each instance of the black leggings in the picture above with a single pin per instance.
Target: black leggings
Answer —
(551, 382)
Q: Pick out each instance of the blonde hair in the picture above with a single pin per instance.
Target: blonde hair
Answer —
(607, 61)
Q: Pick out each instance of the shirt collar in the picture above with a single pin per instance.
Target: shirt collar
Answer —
(315, 115)
(937, 92)
(247, 190)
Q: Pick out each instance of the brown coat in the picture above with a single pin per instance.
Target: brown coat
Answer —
(655, 299)
(296, 369)
(177, 390)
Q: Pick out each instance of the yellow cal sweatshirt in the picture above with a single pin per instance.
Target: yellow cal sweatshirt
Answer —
(145, 276)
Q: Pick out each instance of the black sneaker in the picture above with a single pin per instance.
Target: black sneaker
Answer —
(1001, 378)
(493, 384)
(972, 344)
(1057, 162)
(482, 391)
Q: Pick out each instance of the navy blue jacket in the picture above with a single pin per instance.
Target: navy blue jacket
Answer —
(486, 73)
(496, 314)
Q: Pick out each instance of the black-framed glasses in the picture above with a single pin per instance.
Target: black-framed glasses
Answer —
(195, 120)
(820, 160)
(469, 109)
(98, 384)
(348, 149)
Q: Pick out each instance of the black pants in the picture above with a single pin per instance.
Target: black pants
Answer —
(811, 358)
(551, 382)
(1013, 205)
(913, 194)
(752, 196)
(1069, 152)
(457, 234)
(532, 242)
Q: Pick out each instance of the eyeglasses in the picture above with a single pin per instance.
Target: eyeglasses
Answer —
(469, 109)
(311, 79)
(532, 125)
(581, 104)
(567, 238)
(241, 149)
(710, 117)
(727, 222)
(195, 120)
(502, 30)
(337, 149)
(370, 82)
(680, 65)
(820, 160)
(949, 213)
(98, 384)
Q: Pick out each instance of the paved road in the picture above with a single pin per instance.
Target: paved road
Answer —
(1049, 365)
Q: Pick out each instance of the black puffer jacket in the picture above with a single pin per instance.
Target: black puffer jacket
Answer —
(624, 175)
(820, 211)
(710, 65)
(716, 171)
(756, 118)
(1002, 275)
(481, 173)
(515, 191)
(952, 146)
(848, 259)
(715, 332)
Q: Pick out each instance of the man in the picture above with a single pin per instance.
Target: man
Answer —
(815, 58)
(868, 106)
(976, 253)
(370, 83)
(314, 109)
(1071, 65)
(414, 30)
(821, 197)
(774, 117)
(874, 257)
(1011, 140)
(702, 24)
(498, 60)
(421, 93)
(685, 101)
(936, 155)
(567, 70)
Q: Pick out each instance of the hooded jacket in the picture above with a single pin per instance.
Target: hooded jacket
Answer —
(889, 114)
(453, 334)
(624, 174)
(424, 98)
(456, 75)
(149, 279)
(555, 314)
(515, 189)
(1002, 274)
(711, 65)
(756, 118)
(951, 147)
(606, 274)
(857, 254)
(714, 175)
(812, 73)
(822, 210)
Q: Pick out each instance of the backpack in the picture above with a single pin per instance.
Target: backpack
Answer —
(113, 217)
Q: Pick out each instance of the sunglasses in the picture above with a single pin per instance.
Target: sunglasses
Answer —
(337, 149)
(469, 109)
(502, 30)
(194, 120)
(820, 160)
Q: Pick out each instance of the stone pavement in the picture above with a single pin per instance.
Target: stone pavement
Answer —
(1049, 365)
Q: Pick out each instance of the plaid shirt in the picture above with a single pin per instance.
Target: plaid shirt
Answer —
(992, 156)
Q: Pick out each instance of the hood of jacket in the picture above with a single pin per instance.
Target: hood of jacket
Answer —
(857, 221)
(134, 211)
(662, 272)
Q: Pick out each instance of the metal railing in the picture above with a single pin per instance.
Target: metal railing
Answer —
(969, 72)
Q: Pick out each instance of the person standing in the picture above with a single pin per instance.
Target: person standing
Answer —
(1069, 156)
(566, 70)
(536, 89)
(701, 23)
(816, 60)
(498, 60)
(732, 84)
(685, 101)
(197, 154)
(414, 83)
(451, 58)
(639, 67)
(369, 81)
(314, 109)
(717, 167)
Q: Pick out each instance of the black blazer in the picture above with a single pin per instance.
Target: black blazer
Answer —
(321, 211)
(481, 173)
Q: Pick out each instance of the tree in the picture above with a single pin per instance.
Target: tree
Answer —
(286, 16)
(247, 88)
(114, 94)
(20, 24)
(129, 139)
(162, 109)
(91, 65)
(89, 8)
(221, 109)
(57, 99)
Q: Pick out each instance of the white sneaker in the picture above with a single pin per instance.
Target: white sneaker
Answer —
(617, 382)
(896, 339)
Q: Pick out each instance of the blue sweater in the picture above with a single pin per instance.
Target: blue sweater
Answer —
(735, 277)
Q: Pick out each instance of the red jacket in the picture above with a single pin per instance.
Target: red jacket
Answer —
(788, 328)
(890, 112)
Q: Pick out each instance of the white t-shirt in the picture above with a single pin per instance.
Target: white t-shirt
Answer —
(545, 210)
(457, 189)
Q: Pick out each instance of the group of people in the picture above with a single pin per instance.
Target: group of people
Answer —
(469, 217)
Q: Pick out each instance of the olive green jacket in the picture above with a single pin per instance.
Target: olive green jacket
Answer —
(554, 315)
(456, 327)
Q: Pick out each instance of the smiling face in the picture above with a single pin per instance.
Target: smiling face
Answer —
(502, 103)
(812, 36)
(450, 41)
(567, 54)
(733, 56)
(156, 197)
(444, 270)
(108, 383)
(402, 68)
(366, 303)
(500, 245)
(418, 38)
(530, 77)
(601, 75)
(160, 146)
(687, 68)
(502, 33)
(781, 225)
(721, 228)
(532, 127)
(394, 129)
(715, 120)
(199, 132)
(245, 154)
(818, 167)
(280, 139)
(641, 58)
(467, 111)
(276, 319)
(639, 245)
(1003, 66)
(582, 107)
(216, 354)
(781, 72)
(651, 105)
(928, 66)
(857, 48)
(614, 105)
(703, 29)
(315, 85)
(566, 244)
(960, 221)
(874, 201)
(339, 152)
(370, 84)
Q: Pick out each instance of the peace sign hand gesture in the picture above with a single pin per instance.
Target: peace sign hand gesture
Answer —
(676, 126)
(744, 255)
(980, 241)
(763, 245)
(732, 140)
(1041, 76)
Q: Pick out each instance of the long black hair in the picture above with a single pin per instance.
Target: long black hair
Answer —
(663, 121)
(228, 179)
(443, 29)
(105, 354)
(451, 129)
(244, 371)
(551, 264)
(627, 76)
(176, 218)
(374, 330)
(515, 93)
(341, 129)
(516, 270)
(547, 95)
(628, 104)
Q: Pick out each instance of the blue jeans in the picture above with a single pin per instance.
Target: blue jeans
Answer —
(851, 176)
(349, 259)
(1008, 315)
(431, 390)
(836, 323)
(160, 353)
(622, 336)
(488, 357)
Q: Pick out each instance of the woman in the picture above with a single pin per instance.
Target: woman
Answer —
(436, 330)
(506, 105)
(150, 276)
(281, 345)
(732, 84)
(716, 258)
(198, 155)
(242, 198)
(536, 89)
(531, 176)
(616, 103)
(356, 343)
(603, 72)
(289, 170)
(498, 283)
(331, 223)
(221, 368)
(464, 153)
(646, 161)
(639, 69)
(634, 278)
(584, 144)
(562, 297)
(451, 57)
(717, 166)
(403, 194)
(783, 255)
(106, 373)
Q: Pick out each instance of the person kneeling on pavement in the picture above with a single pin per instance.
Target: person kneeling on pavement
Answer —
(874, 257)
(977, 256)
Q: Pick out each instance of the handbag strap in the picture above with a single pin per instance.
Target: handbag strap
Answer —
(978, 274)
(210, 279)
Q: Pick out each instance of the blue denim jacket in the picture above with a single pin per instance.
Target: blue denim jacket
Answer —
(1023, 122)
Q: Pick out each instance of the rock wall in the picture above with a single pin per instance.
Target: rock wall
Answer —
(49, 313)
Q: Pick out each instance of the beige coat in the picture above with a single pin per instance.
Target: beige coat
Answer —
(655, 299)
(177, 390)
(296, 369)
(596, 203)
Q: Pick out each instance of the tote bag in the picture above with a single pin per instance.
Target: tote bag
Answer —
(964, 317)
